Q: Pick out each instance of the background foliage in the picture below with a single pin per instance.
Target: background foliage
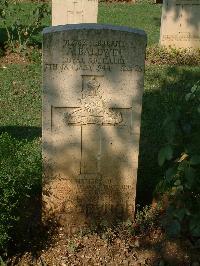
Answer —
(167, 82)
(21, 29)
(181, 156)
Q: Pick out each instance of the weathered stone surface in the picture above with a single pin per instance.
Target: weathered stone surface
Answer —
(180, 24)
(74, 11)
(93, 85)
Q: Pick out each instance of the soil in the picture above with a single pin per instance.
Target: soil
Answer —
(110, 247)
(12, 58)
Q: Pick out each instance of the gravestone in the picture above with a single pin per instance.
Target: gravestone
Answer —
(92, 95)
(74, 11)
(180, 24)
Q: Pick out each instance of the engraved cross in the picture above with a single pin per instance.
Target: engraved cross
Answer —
(75, 15)
(92, 115)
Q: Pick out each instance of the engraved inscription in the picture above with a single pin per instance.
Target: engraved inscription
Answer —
(181, 37)
(99, 55)
(74, 202)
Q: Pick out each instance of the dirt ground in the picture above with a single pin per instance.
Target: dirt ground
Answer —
(110, 247)
(12, 58)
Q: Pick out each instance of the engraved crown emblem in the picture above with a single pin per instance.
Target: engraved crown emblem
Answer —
(93, 84)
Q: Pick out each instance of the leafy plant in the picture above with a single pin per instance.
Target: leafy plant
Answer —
(72, 246)
(2, 262)
(181, 158)
(18, 34)
(146, 219)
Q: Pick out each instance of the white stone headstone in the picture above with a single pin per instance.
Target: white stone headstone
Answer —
(93, 86)
(180, 24)
(74, 11)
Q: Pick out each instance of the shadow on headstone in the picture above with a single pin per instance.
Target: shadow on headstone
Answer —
(93, 85)
(180, 24)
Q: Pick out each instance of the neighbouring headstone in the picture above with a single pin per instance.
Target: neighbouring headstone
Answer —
(74, 11)
(92, 97)
(180, 24)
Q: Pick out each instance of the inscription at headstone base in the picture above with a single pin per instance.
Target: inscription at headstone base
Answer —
(92, 94)
(180, 24)
(74, 11)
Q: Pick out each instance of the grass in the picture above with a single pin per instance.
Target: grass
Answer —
(20, 98)
(141, 16)
(24, 14)
(20, 149)
(20, 95)
(20, 186)
(132, 15)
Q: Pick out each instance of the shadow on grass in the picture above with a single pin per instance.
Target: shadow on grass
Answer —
(22, 132)
(157, 21)
(33, 237)
(3, 36)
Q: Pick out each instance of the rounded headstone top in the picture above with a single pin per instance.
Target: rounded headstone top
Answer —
(93, 26)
